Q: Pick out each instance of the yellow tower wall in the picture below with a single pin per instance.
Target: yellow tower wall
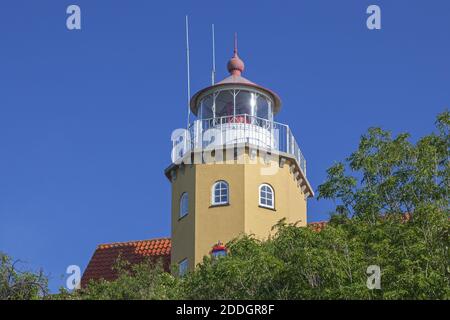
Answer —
(214, 223)
(183, 229)
(194, 235)
(289, 203)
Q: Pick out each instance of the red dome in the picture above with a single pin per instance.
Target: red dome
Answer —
(235, 65)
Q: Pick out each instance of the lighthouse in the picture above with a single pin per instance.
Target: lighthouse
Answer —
(234, 170)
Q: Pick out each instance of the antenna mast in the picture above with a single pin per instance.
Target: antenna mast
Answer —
(188, 72)
(213, 73)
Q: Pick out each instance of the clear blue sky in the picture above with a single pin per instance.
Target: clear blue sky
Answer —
(86, 116)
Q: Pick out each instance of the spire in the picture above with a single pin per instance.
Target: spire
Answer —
(235, 65)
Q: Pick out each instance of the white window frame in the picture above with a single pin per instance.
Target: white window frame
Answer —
(183, 267)
(213, 194)
(184, 205)
(265, 205)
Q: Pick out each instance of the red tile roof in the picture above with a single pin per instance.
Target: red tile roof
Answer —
(105, 256)
(317, 226)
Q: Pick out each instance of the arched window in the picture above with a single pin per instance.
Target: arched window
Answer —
(219, 193)
(266, 196)
(184, 205)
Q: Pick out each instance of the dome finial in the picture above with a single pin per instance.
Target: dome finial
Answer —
(235, 65)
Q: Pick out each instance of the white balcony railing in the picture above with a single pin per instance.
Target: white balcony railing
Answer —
(264, 134)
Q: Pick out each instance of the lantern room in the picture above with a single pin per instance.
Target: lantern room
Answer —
(235, 101)
(235, 96)
(241, 110)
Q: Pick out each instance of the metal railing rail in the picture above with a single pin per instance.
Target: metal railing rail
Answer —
(241, 128)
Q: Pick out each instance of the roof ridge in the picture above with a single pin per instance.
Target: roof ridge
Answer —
(130, 242)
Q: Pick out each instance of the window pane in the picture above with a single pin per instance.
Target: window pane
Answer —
(221, 253)
(220, 195)
(262, 107)
(266, 196)
(224, 104)
(206, 108)
(245, 103)
(184, 205)
(182, 267)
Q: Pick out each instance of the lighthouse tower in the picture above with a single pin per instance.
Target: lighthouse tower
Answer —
(234, 170)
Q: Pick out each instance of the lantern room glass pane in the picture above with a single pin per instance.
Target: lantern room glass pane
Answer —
(245, 103)
(263, 108)
(206, 107)
(224, 103)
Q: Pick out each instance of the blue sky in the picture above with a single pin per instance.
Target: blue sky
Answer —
(86, 116)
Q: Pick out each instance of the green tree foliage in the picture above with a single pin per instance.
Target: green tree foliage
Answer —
(396, 194)
(16, 284)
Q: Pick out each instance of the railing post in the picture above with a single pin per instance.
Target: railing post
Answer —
(221, 131)
(245, 129)
(185, 142)
(287, 139)
(292, 142)
(198, 134)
